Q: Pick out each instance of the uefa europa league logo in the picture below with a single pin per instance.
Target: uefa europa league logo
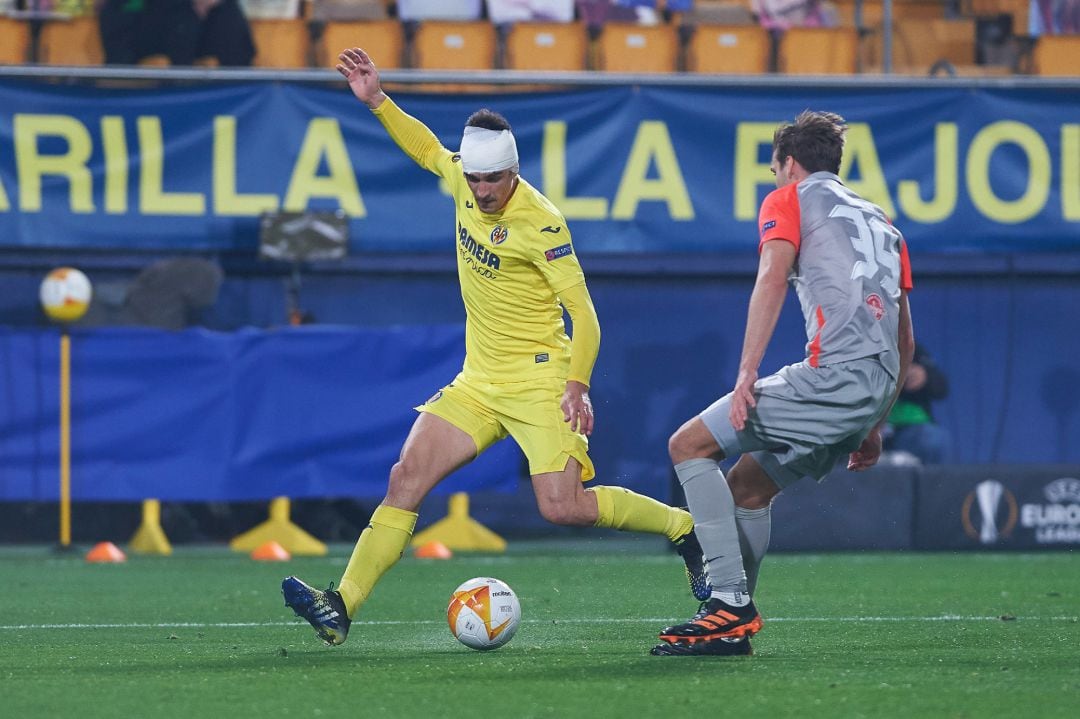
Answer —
(989, 495)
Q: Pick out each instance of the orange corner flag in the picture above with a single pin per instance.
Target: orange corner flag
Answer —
(433, 550)
(105, 552)
(271, 552)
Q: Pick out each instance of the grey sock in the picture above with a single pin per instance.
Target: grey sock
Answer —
(710, 501)
(755, 526)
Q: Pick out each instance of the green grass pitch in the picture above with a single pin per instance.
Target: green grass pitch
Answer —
(204, 633)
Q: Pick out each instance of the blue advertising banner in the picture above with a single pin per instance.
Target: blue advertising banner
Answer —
(643, 169)
(302, 412)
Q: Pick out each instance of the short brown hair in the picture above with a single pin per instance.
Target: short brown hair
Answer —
(815, 140)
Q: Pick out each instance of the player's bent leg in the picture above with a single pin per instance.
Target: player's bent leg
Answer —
(562, 500)
(753, 491)
(693, 440)
(433, 449)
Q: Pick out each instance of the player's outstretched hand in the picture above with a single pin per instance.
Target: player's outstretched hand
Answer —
(868, 452)
(356, 67)
(577, 407)
(742, 399)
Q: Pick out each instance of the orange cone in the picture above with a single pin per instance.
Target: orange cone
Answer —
(271, 552)
(433, 550)
(105, 552)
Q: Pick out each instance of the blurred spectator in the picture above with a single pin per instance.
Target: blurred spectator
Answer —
(1054, 17)
(183, 30)
(439, 9)
(597, 12)
(784, 14)
(335, 10)
(912, 428)
(509, 11)
(283, 9)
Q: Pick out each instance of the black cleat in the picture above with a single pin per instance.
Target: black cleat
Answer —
(696, 572)
(724, 647)
(715, 619)
(325, 611)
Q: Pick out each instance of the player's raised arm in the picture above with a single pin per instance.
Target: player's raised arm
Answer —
(359, 69)
(411, 135)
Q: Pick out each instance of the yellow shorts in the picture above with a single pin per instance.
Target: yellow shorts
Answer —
(527, 411)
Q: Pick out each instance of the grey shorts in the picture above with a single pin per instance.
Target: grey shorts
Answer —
(806, 417)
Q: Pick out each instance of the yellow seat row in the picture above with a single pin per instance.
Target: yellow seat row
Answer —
(918, 43)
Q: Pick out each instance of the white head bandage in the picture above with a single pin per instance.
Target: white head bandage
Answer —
(484, 150)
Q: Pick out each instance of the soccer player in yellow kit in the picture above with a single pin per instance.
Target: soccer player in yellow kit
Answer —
(523, 375)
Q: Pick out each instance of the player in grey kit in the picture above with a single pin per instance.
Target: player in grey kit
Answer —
(850, 268)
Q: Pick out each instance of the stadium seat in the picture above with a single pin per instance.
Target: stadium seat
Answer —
(728, 49)
(1057, 55)
(384, 40)
(15, 49)
(281, 43)
(624, 47)
(819, 51)
(450, 45)
(71, 42)
(547, 46)
(918, 44)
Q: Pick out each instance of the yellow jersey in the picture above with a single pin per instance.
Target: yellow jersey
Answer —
(512, 265)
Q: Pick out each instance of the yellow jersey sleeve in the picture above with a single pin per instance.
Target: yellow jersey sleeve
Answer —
(585, 344)
(415, 139)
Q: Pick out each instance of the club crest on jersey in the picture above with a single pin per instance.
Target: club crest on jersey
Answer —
(499, 235)
(556, 252)
(876, 305)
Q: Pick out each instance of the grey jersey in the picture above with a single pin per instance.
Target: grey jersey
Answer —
(851, 265)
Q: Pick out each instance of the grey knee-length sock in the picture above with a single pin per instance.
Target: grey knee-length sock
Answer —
(711, 503)
(755, 526)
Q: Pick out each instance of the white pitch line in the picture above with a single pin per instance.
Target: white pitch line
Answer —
(640, 620)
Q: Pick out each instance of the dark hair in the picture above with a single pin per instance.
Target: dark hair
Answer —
(815, 140)
(487, 119)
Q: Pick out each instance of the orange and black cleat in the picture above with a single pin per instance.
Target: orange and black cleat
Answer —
(724, 647)
(715, 619)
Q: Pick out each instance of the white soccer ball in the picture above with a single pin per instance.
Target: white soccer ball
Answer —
(484, 613)
(65, 294)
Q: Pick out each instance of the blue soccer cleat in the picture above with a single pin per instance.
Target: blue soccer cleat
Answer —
(325, 611)
(696, 572)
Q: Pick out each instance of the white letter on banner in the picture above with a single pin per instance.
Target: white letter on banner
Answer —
(153, 200)
(1070, 172)
(114, 146)
(946, 181)
(227, 201)
(749, 171)
(978, 172)
(72, 164)
(324, 138)
(859, 148)
(652, 142)
(553, 171)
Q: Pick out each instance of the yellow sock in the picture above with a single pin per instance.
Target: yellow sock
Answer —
(378, 549)
(619, 508)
